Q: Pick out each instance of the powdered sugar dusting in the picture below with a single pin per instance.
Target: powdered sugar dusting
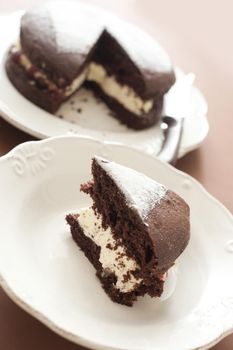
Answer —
(77, 27)
(141, 192)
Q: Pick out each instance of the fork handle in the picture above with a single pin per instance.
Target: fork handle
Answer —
(172, 139)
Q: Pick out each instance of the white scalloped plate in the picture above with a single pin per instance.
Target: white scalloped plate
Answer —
(94, 120)
(45, 273)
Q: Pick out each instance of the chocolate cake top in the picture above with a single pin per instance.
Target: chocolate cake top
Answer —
(60, 36)
(141, 192)
(165, 214)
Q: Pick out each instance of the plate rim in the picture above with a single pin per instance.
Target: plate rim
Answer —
(51, 324)
(7, 116)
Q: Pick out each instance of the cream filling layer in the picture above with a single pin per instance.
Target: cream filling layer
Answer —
(112, 255)
(27, 65)
(123, 94)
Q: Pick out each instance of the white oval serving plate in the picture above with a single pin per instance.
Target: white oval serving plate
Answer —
(94, 120)
(45, 273)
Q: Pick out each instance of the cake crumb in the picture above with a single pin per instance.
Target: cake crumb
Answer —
(109, 246)
(126, 277)
(121, 264)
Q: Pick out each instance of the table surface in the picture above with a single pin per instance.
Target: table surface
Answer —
(197, 35)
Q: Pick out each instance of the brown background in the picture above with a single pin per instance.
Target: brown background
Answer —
(198, 36)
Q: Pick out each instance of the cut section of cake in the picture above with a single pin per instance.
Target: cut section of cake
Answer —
(65, 45)
(133, 233)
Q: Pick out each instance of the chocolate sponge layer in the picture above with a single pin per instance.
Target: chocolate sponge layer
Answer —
(50, 101)
(108, 280)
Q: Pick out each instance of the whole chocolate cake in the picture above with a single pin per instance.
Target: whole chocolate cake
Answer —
(65, 45)
(133, 233)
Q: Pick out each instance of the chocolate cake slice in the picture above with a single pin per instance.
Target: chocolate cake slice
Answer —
(65, 45)
(133, 233)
